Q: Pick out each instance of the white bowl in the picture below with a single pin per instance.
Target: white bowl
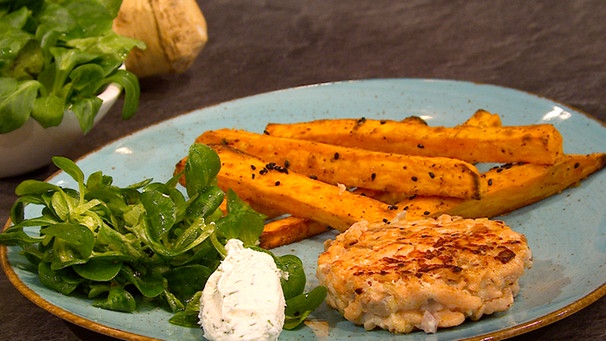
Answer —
(32, 146)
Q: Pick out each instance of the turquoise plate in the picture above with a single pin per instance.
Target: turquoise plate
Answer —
(567, 232)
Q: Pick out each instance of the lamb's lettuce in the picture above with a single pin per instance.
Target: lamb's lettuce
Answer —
(147, 240)
(60, 54)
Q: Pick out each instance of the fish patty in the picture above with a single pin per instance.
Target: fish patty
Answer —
(423, 274)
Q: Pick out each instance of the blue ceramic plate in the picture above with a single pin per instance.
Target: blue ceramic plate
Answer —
(567, 232)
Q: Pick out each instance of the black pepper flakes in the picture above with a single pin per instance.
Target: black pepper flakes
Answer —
(420, 146)
(373, 176)
(577, 165)
(313, 177)
(392, 207)
(280, 169)
(253, 167)
(431, 175)
(336, 156)
(265, 132)
(414, 178)
(361, 121)
(426, 213)
(277, 183)
(489, 182)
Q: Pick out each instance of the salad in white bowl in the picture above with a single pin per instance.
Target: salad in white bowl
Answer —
(60, 72)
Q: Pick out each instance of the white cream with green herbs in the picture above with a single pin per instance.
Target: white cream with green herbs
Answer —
(243, 298)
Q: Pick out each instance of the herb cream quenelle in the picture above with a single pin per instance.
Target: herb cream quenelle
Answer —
(243, 298)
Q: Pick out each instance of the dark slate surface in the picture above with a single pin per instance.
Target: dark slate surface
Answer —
(554, 49)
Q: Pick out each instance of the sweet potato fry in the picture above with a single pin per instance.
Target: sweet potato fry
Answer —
(288, 230)
(279, 231)
(392, 198)
(482, 118)
(355, 167)
(414, 120)
(509, 187)
(269, 212)
(539, 143)
(296, 194)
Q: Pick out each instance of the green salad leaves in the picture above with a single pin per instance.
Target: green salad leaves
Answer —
(60, 54)
(145, 242)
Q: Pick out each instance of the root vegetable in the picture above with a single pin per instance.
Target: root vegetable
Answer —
(174, 31)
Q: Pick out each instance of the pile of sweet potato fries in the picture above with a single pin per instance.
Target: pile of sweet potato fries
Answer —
(311, 176)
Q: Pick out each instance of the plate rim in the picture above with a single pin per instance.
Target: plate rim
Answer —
(99, 327)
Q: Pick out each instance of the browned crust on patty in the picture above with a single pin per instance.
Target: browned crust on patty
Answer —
(423, 274)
